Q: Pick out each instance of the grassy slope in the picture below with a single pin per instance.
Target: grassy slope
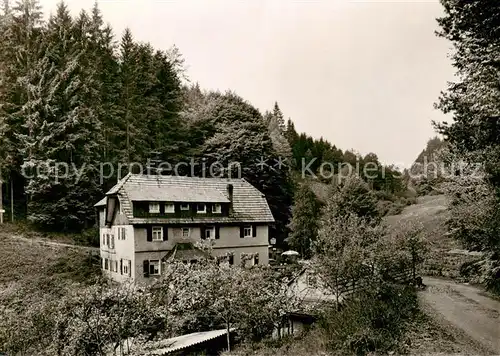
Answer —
(432, 213)
(31, 265)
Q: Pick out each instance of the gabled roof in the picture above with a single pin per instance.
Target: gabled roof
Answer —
(185, 251)
(249, 204)
(156, 192)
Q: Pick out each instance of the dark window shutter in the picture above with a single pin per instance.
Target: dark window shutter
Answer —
(242, 232)
(121, 266)
(254, 230)
(129, 267)
(165, 232)
(149, 233)
(146, 268)
(202, 232)
(162, 208)
(217, 232)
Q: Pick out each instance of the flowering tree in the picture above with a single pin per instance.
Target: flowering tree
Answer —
(345, 251)
(211, 294)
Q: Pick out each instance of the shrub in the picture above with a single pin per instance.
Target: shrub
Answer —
(77, 267)
(88, 237)
(370, 321)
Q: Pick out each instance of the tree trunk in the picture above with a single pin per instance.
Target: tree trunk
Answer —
(228, 338)
(11, 199)
(1, 198)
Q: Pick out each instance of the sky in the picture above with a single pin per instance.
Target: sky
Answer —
(362, 74)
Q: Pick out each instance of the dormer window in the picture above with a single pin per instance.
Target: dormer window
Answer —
(185, 206)
(201, 208)
(154, 208)
(169, 208)
(217, 209)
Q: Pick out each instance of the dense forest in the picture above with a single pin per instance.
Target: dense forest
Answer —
(76, 103)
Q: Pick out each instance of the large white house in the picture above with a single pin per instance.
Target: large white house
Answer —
(146, 219)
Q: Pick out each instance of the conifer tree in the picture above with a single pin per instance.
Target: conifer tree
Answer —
(276, 129)
(304, 223)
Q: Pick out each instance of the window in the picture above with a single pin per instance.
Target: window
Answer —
(154, 208)
(201, 208)
(112, 241)
(107, 239)
(120, 210)
(256, 259)
(125, 267)
(217, 209)
(247, 231)
(231, 260)
(104, 239)
(169, 208)
(210, 233)
(157, 232)
(184, 206)
(106, 263)
(121, 233)
(185, 232)
(154, 267)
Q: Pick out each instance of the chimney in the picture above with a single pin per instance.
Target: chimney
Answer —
(230, 195)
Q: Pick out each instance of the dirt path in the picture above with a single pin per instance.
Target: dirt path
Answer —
(466, 308)
(53, 243)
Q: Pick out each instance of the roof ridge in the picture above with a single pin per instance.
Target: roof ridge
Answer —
(159, 176)
(120, 184)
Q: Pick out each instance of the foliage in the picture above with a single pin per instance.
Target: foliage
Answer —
(474, 134)
(345, 251)
(276, 129)
(81, 269)
(211, 295)
(232, 138)
(304, 223)
(353, 197)
(372, 320)
(70, 101)
(403, 248)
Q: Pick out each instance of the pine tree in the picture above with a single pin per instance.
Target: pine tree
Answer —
(279, 117)
(276, 129)
(165, 128)
(127, 94)
(304, 224)
(65, 129)
(101, 56)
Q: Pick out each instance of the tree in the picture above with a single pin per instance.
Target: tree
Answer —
(354, 197)
(211, 294)
(62, 144)
(474, 134)
(276, 129)
(403, 248)
(234, 137)
(304, 223)
(345, 250)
